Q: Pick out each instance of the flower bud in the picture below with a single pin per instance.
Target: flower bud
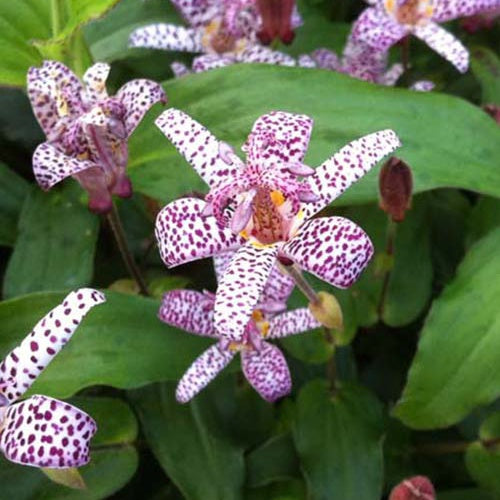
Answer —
(414, 488)
(276, 20)
(327, 311)
(395, 187)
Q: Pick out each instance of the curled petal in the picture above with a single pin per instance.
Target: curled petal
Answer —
(95, 81)
(22, 365)
(240, 289)
(445, 10)
(138, 96)
(198, 146)
(184, 234)
(167, 37)
(445, 44)
(376, 28)
(291, 323)
(391, 76)
(267, 371)
(50, 166)
(332, 248)
(207, 62)
(45, 432)
(344, 168)
(192, 311)
(205, 368)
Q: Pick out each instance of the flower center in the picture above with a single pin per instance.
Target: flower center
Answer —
(410, 12)
(217, 39)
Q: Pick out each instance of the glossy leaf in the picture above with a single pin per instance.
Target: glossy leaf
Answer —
(56, 243)
(454, 368)
(339, 442)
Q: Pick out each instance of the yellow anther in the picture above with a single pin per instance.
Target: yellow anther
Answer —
(62, 105)
(244, 234)
(264, 328)
(83, 156)
(257, 315)
(234, 346)
(277, 198)
(389, 5)
(429, 10)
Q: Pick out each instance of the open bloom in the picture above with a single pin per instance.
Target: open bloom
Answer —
(42, 431)
(224, 31)
(264, 208)
(263, 364)
(86, 129)
(386, 22)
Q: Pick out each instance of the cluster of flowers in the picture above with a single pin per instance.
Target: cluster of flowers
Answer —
(257, 221)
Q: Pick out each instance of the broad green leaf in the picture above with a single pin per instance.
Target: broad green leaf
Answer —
(13, 191)
(114, 460)
(454, 368)
(343, 109)
(56, 243)
(120, 343)
(483, 465)
(484, 217)
(339, 442)
(485, 66)
(25, 23)
(190, 444)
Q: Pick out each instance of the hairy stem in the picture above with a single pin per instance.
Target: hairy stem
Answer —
(116, 226)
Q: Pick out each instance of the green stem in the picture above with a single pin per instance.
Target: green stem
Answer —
(56, 14)
(405, 53)
(118, 232)
(389, 252)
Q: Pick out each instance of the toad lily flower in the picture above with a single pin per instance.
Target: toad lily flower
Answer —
(86, 129)
(225, 31)
(264, 206)
(42, 431)
(263, 364)
(386, 22)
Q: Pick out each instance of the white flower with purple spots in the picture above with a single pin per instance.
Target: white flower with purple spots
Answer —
(86, 129)
(386, 22)
(224, 31)
(264, 208)
(41, 431)
(263, 364)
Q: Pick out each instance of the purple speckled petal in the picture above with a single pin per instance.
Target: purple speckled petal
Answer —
(445, 44)
(183, 234)
(207, 62)
(292, 323)
(95, 81)
(50, 166)
(23, 364)
(55, 92)
(422, 86)
(221, 261)
(138, 96)
(45, 432)
(391, 76)
(267, 371)
(240, 289)
(376, 28)
(445, 10)
(326, 59)
(265, 55)
(332, 248)
(344, 168)
(179, 69)
(278, 288)
(189, 310)
(198, 12)
(200, 148)
(167, 37)
(204, 369)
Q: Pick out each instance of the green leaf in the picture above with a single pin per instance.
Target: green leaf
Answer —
(13, 190)
(113, 459)
(343, 109)
(56, 243)
(190, 443)
(483, 465)
(339, 442)
(465, 494)
(454, 368)
(485, 66)
(484, 217)
(120, 343)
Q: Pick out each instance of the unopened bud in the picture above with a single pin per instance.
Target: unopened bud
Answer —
(395, 187)
(494, 111)
(414, 488)
(69, 477)
(327, 311)
(276, 20)
(125, 285)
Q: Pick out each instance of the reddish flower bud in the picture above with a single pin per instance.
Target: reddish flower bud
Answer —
(494, 111)
(395, 186)
(414, 488)
(276, 20)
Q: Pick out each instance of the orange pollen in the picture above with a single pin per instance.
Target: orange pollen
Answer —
(257, 315)
(277, 198)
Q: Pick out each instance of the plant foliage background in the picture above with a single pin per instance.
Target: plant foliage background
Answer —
(418, 364)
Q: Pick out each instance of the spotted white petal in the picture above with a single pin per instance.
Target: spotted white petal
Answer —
(445, 10)
(204, 369)
(95, 81)
(22, 365)
(344, 168)
(45, 432)
(198, 12)
(391, 76)
(265, 55)
(332, 248)
(179, 69)
(184, 234)
(240, 288)
(167, 37)
(189, 310)
(198, 146)
(291, 323)
(207, 62)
